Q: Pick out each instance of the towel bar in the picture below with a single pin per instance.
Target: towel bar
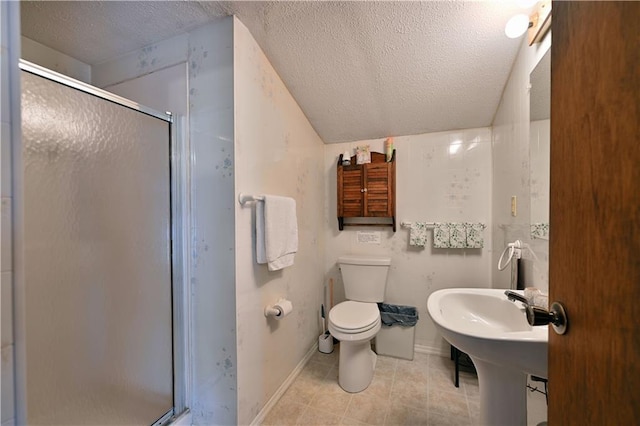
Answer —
(427, 224)
(408, 224)
(243, 198)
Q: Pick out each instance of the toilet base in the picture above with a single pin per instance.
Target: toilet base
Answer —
(356, 365)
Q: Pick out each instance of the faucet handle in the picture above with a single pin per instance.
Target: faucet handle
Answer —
(556, 317)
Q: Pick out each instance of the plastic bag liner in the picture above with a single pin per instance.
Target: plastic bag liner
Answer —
(406, 316)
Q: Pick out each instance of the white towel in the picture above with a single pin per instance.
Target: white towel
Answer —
(276, 232)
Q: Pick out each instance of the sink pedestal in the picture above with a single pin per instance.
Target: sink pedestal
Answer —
(503, 394)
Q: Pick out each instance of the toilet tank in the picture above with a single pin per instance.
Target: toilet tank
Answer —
(364, 277)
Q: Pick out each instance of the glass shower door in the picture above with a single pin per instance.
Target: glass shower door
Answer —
(97, 252)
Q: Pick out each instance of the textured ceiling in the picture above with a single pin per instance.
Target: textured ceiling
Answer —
(359, 70)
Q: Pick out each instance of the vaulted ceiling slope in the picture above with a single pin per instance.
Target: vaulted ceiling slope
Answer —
(358, 69)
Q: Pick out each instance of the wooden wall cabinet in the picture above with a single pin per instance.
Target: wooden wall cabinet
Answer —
(367, 191)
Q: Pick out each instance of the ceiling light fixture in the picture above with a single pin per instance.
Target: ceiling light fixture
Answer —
(517, 25)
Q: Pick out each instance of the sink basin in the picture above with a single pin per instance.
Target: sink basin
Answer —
(504, 348)
(484, 323)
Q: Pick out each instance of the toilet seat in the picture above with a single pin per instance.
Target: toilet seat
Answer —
(353, 317)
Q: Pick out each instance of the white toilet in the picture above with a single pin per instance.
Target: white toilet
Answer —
(356, 321)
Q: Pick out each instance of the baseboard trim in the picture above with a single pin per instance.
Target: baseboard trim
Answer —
(430, 350)
(284, 386)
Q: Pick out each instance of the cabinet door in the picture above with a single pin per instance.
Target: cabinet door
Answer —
(351, 183)
(378, 199)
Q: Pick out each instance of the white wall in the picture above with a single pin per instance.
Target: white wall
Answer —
(213, 223)
(434, 184)
(173, 96)
(511, 172)
(49, 58)
(276, 152)
(540, 155)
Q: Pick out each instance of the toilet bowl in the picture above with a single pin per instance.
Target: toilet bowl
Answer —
(354, 324)
(356, 321)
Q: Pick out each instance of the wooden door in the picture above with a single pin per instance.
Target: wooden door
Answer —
(594, 369)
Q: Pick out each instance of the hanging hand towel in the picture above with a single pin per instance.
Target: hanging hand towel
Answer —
(475, 237)
(276, 232)
(540, 230)
(418, 234)
(441, 235)
(457, 235)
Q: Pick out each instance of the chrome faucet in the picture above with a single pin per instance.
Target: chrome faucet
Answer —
(513, 296)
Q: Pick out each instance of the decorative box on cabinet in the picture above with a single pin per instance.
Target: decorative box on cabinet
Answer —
(367, 191)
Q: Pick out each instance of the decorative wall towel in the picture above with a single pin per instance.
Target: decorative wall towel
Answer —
(276, 232)
(441, 235)
(475, 236)
(418, 234)
(457, 235)
(540, 230)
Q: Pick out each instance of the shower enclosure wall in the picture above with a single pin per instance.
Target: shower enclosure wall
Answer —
(101, 329)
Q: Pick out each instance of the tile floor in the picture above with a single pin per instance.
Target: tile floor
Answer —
(418, 392)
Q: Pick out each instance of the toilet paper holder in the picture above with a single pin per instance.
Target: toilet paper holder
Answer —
(280, 309)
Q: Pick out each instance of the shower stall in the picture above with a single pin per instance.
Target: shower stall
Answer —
(101, 323)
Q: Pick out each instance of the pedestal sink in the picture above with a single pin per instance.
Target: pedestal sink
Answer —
(504, 348)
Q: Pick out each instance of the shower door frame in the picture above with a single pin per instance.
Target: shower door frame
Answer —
(179, 217)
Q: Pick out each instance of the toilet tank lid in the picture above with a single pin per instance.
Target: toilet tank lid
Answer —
(364, 260)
